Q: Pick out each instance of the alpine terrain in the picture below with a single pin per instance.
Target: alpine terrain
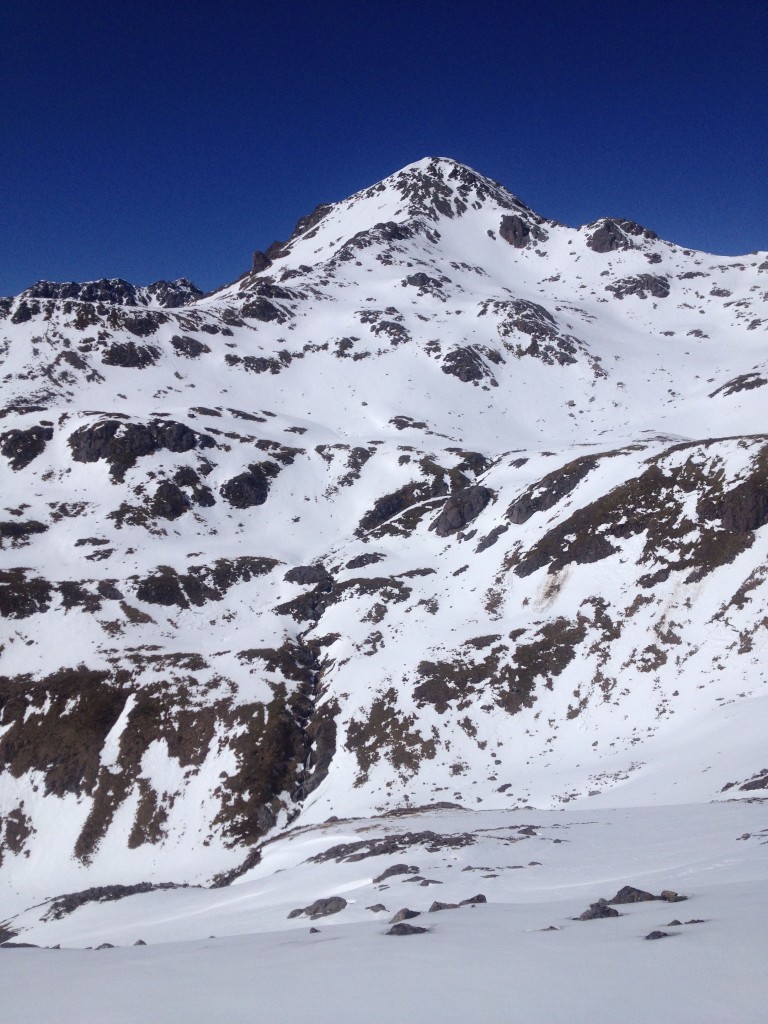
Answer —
(431, 548)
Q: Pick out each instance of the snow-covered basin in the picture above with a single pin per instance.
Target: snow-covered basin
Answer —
(495, 962)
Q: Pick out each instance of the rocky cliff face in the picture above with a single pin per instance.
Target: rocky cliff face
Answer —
(441, 500)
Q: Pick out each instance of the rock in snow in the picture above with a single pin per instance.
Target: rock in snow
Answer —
(406, 929)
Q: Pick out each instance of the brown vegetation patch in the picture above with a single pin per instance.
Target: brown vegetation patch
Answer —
(653, 504)
(201, 583)
(551, 489)
(387, 732)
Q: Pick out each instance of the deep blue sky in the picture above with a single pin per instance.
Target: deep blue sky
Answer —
(166, 139)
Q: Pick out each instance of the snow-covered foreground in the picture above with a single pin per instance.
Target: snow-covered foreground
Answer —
(234, 955)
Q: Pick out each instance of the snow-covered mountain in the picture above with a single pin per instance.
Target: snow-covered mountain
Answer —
(441, 501)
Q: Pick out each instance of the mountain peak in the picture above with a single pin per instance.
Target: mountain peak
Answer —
(440, 186)
(428, 190)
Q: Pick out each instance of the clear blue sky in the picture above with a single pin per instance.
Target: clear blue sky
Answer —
(166, 139)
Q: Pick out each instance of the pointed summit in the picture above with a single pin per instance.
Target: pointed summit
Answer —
(438, 186)
(411, 202)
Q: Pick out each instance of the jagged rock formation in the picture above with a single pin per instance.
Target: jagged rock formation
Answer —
(116, 292)
(439, 501)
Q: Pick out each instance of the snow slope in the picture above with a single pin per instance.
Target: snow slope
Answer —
(234, 954)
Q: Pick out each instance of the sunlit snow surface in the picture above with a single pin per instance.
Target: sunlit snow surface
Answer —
(232, 955)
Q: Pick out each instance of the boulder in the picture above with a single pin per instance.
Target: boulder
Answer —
(671, 897)
(404, 915)
(597, 911)
(406, 929)
(324, 907)
(461, 508)
(629, 894)
(250, 488)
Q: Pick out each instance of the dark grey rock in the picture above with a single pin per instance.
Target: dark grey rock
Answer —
(22, 595)
(614, 235)
(121, 443)
(262, 309)
(465, 363)
(461, 508)
(69, 902)
(25, 311)
(250, 488)
(403, 928)
(169, 501)
(20, 447)
(657, 935)
(745, 509)
(260, 262)
(520, 232)
(308, 574)
(117, 292)
(629, 894)
(671, 897)
(473, 900)
(596, 911)
(425, 283)
(404, 915)
(608, 238)
(361, 561)
(397, 869)
(174, 294)
(325, 907)
(437, 905)
(130, 355)
(641, 285)
(490, 538)
(191, 348)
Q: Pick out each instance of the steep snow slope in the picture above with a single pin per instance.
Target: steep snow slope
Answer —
(440, 501)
